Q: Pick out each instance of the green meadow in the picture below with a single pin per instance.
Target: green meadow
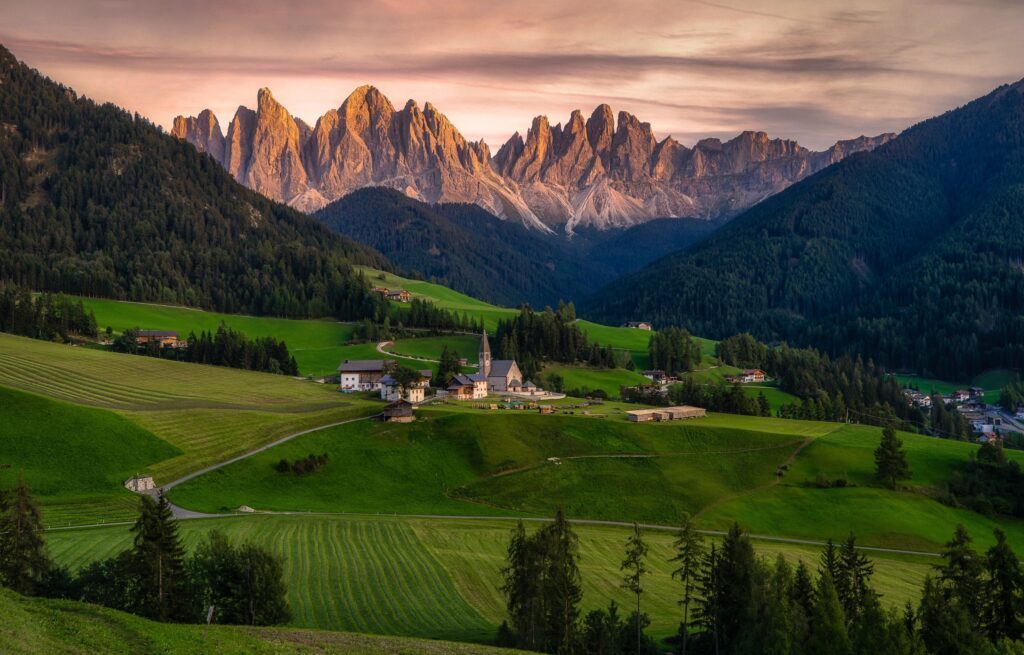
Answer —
(35, 625)
(991, 381)
(49, 442)
(440, 578)
(317, 344)
(203, 414)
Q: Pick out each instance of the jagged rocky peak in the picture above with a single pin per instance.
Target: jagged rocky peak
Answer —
(605, 170)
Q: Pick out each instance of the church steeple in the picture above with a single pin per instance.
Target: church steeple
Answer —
(485, 355)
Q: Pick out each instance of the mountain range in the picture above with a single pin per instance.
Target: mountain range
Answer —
(600, 172)
(910, 254)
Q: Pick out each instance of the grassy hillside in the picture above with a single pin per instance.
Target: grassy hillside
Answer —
(478, 462)
(34, 626)
(207, 413)
(48, 441)
(582, 377)
(316, 344)
(439, 578)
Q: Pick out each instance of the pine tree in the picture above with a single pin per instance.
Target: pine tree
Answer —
(635, 569)
(890, 459)
(563, 589)
(1003, 591)
(828, 625)
(689, 548)
(23, 559)
(736, 585)
(856, 571)
(961, 573)
(159, 558)
(708, 605)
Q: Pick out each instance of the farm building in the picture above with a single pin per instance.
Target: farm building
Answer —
(753, 375)
(665, 413)
(361, 374)
(654, 375)
(467, 387)
(140, 483)
(399, 411)
(165, 338)
(398, 295)
(389, 389)
(639, 325)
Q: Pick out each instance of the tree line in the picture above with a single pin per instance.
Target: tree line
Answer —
(48, 316)
(839, 389)
(673, 350)
(733, 602)
(153, 578)
(225, 347)
(533, 337)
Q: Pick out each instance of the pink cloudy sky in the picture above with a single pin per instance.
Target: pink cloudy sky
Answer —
(814, 70)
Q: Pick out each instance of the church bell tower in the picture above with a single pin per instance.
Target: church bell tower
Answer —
(484, 355)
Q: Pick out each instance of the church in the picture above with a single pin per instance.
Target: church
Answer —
(501, 374)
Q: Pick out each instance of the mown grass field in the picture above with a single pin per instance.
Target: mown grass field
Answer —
(50, 442)
(473, 462)
(36, 626)
(205, 413)
(317, 344)
(442, 297)
(583, 377)
(440, 578)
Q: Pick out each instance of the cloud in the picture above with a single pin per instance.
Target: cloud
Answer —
(815, 70)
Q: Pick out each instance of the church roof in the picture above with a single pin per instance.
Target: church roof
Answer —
(485, 345)
(501, 367)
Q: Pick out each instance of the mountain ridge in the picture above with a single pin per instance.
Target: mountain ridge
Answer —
(603, 172)
(909, 254)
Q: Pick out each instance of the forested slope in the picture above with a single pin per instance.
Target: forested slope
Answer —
(96, 201)
(910, 254)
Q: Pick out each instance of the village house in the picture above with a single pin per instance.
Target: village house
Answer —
(467, 387)
(960, 396)
(753, 375)
(665, 413)
(399, 411)
(164, 338)
(655, 375)
(398, 295)
(639, 325)
(381, 290)
(361, 374)
(389, 388)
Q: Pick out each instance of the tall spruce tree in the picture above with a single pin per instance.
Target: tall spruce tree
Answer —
(1003, 591)
(563, 589)
(856, 570)
(828, 624)
(23, 559)
(890, 459)
(634, 568)
(159, 561)
(709, 615)
(961, 574)
(736, 584)
(689, 553)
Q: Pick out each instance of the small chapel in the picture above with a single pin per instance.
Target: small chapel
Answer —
(501, 374)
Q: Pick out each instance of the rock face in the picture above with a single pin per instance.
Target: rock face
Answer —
(599, 172)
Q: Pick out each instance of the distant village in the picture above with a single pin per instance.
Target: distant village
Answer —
(986, 421)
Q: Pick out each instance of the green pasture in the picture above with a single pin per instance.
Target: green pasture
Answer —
(206, 413)
(583, 377)
(75, 459)
(317, 344)
(37, 626)
(440, 578)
